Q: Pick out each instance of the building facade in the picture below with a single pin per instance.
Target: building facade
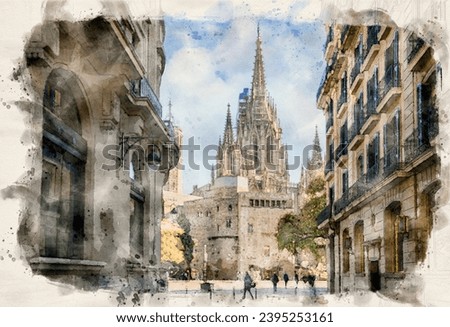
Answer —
(102, 152)
(379, 96)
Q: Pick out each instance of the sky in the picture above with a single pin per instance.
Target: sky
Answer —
(210, 60)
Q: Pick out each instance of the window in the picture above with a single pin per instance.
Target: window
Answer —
(344, 182)
(358, 114)
(136, 228)
(392, 142)
(392, 69)
(331, 194)
(230, 207)
(251, 203)
(360, 166)
(373, 158)
(228, 223)
(372, 93)
(359, 248)
(346, 248)
(427, 113)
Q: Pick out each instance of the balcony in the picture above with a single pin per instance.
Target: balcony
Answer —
(373, 173)
(391, 161)
(329, 123)
(141, 89)
(421, 138)
(355, 136)
(342, 150)
(355, 76)
(348, 35)
(390, 88)
(341, 204)
(170, 129)
(372, 47)
(324, 215)
(329, 169)
(324, 85)
(328, 47)
(371, 117)
(418, 52)
(342, 104)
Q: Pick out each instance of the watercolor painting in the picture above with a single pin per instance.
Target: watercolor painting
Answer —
(225, 153)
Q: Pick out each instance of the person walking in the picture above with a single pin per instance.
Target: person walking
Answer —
(248, 284)
(275, 281)
(296, 279)
(286, 279)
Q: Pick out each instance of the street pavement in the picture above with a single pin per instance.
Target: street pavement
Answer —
(230, 293)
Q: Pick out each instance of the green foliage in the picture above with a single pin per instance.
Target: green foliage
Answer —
(299, 231)
(188, 248)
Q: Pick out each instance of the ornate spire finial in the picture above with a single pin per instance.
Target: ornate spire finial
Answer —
(259, 80)
(228, 133)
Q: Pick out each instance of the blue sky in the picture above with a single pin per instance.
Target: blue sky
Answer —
(209, 62)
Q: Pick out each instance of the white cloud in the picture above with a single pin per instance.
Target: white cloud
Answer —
(214, 63)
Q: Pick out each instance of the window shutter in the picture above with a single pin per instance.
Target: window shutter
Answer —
(397, 134)
(419, 114)
(396, 60)
(385, 145)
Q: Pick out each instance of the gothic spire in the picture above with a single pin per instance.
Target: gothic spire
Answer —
(259, 81)
(316, 157)
(228, 133)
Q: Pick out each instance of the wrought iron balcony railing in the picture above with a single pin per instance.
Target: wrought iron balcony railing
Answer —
(372, 38)
(329, 39)
(355, 70)
(141, 88)
(420, 140)
(390, 80)
(329, 122)
(342, 99)
(415, 44)
(342, 150)
(324, 215)
(329, 166)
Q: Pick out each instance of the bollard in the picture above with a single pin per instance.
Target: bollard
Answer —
(186, 290)
(210, 294)
(256, 294)
(296, 291)
(234, 293)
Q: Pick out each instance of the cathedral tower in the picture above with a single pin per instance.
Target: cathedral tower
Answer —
(257, 152)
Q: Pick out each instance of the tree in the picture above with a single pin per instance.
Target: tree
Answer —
(186, 240)
(300, 231)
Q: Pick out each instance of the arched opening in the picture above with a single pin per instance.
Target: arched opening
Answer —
(394, 231)
(64, 157)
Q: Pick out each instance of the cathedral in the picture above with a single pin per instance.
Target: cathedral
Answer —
(234, 221)
(258, 152)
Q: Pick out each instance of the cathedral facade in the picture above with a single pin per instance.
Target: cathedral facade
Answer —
(234, 223)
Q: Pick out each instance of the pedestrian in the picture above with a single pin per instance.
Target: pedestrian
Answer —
(286, 279)
(248, 284)
(296, 279)
(275, 281)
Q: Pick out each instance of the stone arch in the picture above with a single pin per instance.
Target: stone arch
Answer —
(66, 165)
